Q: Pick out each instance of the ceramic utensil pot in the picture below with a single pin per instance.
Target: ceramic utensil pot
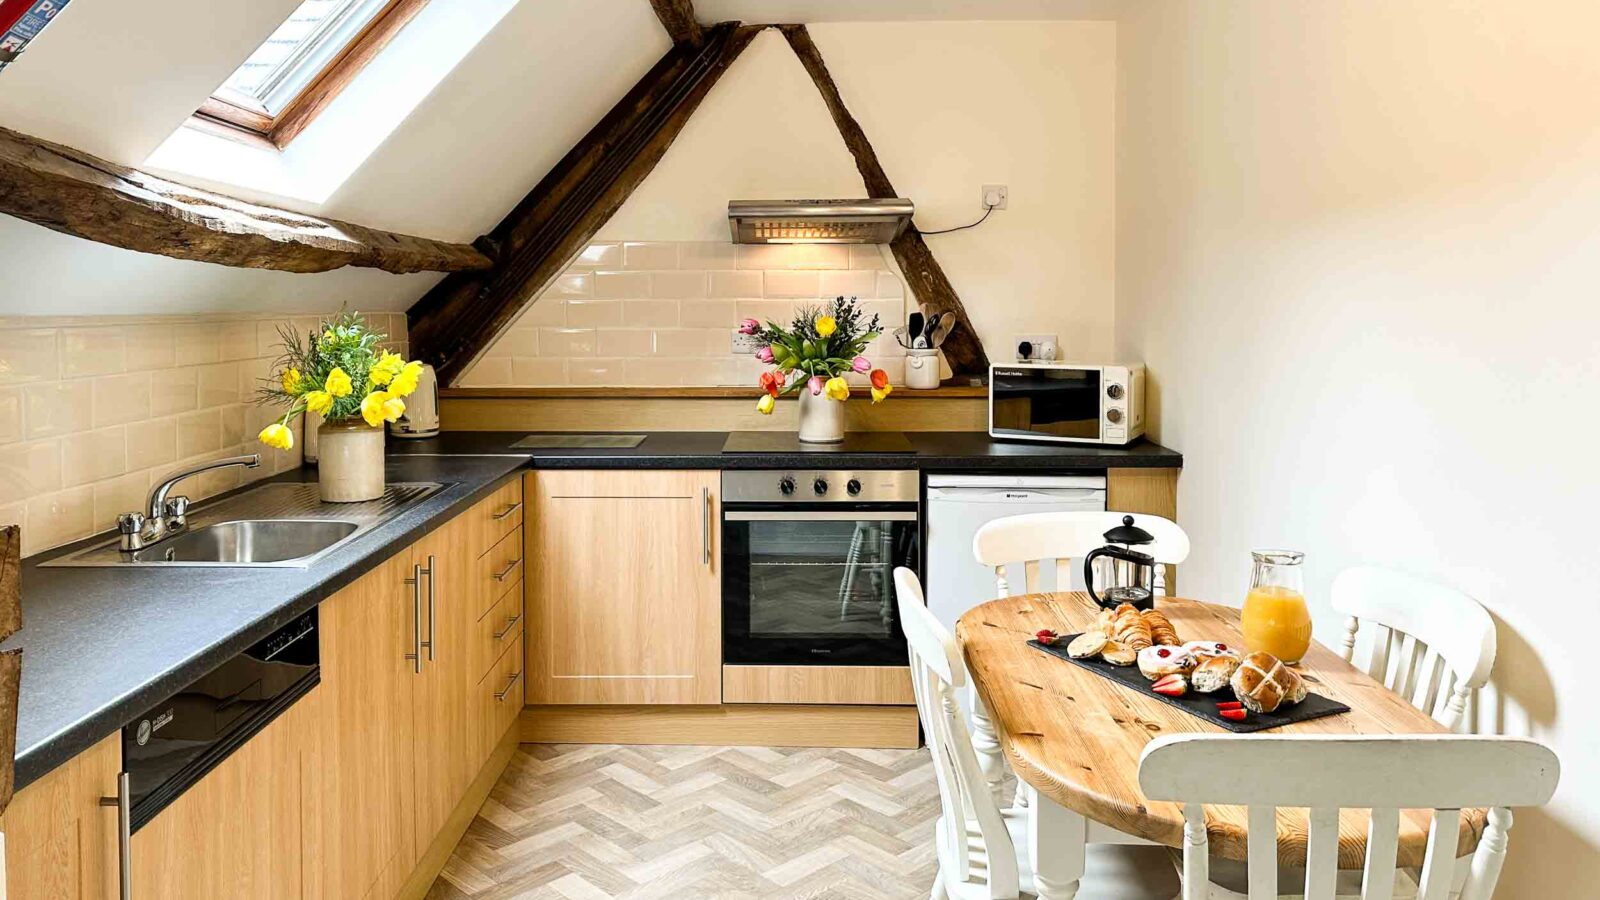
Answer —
(350, 468)
(1117, 573)
(922, 369)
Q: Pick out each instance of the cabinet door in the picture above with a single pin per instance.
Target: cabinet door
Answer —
(61, 844)
(624, 602)
(367, 835)
(445, 707)
(239, 831)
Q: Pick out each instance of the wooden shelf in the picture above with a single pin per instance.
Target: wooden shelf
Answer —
(944, 392)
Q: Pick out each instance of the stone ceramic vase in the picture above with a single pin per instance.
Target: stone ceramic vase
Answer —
(350, 461)
(821, 418)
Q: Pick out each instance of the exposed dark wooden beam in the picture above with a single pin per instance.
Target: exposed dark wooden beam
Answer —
(75, 193)
(463, 315)
(10, 660)
(677, 16)
(927, 280)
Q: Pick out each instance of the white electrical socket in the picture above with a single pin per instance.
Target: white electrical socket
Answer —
(995, 195)
(1036, 342)
(743, 344)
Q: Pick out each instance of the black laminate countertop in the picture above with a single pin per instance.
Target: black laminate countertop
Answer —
(101, 645)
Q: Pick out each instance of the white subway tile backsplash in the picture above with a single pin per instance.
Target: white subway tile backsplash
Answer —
(115, 496)
(621, 285)
(538, 370)
(890, 285)
(93, 456)
(489, 372)
(10, 415)
(689, 285)
(121, 398)
(174, 391)
(625, 342)
(92, 351)
(599, 256)
(792, 283)
(649, 313)
(545, 311)
(688, 343)
(200, 343)
(736, 285)
(656, 372)
(27, 470)
(560, 342)
(849, 283)
(708, 314)
(594, 313)
(153, 347)
(572, 284)
(708, 255)
(58, 407)
(867, 256)
(233, 425)
(59, 518)
(794, 256)
(595, 372)
(152, 443)
(199, 432)
(521, 340)
(649, 255)
(29, 354)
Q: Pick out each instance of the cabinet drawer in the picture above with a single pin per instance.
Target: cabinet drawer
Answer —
(494, 517)
(498, 629)
(497, 571)
(500, 694)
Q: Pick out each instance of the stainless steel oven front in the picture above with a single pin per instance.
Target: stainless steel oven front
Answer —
(807, 563)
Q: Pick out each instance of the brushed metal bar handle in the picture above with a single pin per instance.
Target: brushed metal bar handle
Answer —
(510, 624)
(123, 801)
(507, 511)
(501, 575)
(501, 695)
(416, 618)
(433, 578)
(705, 526)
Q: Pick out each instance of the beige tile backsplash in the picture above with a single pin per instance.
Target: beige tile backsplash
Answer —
(93, 410)
(641, 313)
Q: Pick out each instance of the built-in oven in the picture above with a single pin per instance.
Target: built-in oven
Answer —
(807, 565)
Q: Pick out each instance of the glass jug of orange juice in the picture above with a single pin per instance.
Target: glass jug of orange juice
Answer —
(1275, 619)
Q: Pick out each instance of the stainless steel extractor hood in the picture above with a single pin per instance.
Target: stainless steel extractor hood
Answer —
(818, 221)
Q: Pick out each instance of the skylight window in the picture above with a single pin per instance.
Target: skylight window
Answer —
(300, 69)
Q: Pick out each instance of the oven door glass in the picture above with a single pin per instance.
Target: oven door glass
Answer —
(813, 591)
(1062, 403)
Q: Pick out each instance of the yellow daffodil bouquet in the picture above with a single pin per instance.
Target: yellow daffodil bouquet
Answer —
(815, 352)
(339, 374)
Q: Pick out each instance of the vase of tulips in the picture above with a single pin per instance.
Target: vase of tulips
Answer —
(344, 375)
(811, 358)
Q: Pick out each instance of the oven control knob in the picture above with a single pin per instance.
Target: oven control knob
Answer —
(820, 486)
(1114, 391)
(786, 485)
(1113, 416)
(853, 487)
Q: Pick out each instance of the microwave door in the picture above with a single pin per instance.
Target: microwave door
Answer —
(1050, 403)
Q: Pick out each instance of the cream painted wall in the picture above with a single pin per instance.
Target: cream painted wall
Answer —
(1030, 105)
(1357, 249)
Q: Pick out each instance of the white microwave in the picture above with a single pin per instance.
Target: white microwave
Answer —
(1066, 403)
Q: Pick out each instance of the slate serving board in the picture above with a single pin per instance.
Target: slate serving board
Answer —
(1202, 706)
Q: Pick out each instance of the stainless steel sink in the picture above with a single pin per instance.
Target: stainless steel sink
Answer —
(279, 525)
(250, 541)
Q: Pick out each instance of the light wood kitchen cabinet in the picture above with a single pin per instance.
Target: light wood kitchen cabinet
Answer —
(240, 830)
(624, 596)
(61, 844)
(368, 835)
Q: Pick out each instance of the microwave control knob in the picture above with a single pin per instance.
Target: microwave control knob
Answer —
(786, 485)
(853, 487)
(1113, 416)
(1114, 391)
(819, 486)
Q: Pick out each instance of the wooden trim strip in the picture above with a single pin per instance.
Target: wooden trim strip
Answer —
(746, 725)
(946, 392)
(923, 274)
(72, 192)
(677, 17)
(831, 685)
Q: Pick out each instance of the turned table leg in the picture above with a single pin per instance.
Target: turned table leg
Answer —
(986, 743)
(1056, 844)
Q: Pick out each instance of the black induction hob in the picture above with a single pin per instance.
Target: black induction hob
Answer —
(789, 442)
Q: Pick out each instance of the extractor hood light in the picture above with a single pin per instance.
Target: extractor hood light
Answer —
(818, 221)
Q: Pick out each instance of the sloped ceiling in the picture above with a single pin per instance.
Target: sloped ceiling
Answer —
(116, 78)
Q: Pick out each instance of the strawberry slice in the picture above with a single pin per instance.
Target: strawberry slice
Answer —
(1046, 637)
(1171, 686)
(1235, 715)
(1231, 704)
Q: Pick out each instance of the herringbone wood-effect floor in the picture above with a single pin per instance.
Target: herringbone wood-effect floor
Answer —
(596, 821)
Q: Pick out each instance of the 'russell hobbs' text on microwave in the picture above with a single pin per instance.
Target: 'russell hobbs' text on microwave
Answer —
(1069, 403)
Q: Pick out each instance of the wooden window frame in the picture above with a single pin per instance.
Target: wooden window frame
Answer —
(241, 119)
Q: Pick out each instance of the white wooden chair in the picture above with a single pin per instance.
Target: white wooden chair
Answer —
(1431, 644)
(1055, 540)
(1326, 773)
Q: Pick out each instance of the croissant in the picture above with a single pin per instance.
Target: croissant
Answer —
(1131, 629)
(1263, 684)
(1161, 630)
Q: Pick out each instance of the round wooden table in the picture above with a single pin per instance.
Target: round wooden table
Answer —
(1075, 737)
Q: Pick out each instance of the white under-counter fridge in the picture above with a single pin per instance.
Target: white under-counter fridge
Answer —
(958, 505)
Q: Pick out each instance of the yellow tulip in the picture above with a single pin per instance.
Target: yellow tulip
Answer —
(387, 366)
(372, 408)
(277, 435)
(405, 381)
(319, 402)
(393, 408)
(879, 393)
(826, 326)
(765, 404)
(338, 383)
(291, 380)
(837, 388)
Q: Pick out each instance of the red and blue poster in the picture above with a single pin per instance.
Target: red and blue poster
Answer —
(21, 21)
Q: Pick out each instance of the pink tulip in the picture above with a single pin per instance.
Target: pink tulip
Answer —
(815, 384)
(764, 354)
(749, 326)
(861, 364)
